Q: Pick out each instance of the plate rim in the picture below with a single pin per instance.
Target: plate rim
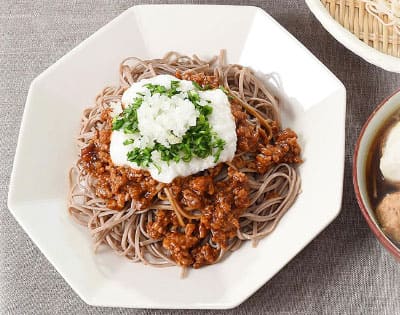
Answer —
(350, 41)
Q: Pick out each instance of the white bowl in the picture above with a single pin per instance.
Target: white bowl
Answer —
(350, 41)
(313, 104)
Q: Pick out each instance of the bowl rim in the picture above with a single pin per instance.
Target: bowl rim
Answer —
(367, 216)
(350, 41)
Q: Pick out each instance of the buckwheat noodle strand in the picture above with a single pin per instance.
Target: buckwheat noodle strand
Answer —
(125, 231)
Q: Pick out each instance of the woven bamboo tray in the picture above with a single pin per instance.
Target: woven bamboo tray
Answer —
(353, 16)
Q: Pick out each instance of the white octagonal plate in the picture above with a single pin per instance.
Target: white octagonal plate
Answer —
(313, 104)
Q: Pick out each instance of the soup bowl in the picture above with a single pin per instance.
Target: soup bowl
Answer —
(360, 172)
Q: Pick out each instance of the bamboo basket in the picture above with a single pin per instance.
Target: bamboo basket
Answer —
(353, 16)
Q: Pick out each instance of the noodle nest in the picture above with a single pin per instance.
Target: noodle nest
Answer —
(125, 231)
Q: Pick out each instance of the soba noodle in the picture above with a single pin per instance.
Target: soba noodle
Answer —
(125, 231)
(382, 8)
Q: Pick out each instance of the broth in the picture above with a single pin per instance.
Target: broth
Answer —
(377, 186)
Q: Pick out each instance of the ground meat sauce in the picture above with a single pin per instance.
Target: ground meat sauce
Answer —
(117, 185)
(217, 204)
(200, 78)
(282, 147)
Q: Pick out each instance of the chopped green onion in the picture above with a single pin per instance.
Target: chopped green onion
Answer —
(194, 97)
(128, 141)
(128, 118)
(117, 123)
(141, 157)
(201, 88)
